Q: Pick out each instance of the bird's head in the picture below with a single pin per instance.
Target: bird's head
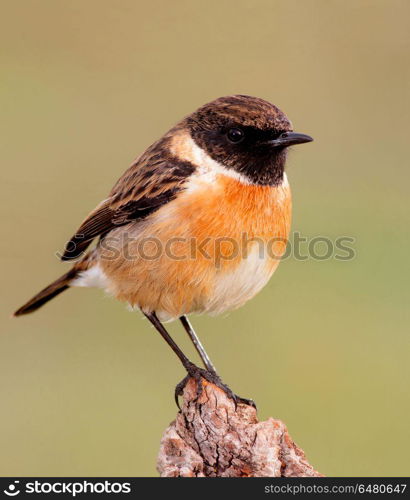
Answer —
(246, 134)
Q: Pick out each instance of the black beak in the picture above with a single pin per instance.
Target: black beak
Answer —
(289, 139)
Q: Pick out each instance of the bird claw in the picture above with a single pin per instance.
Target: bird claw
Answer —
(210, 376)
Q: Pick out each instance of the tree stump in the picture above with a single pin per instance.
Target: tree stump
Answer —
(212, 438)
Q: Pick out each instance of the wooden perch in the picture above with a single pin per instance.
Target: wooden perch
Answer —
(209, 438)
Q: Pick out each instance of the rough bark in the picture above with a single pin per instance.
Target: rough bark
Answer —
(210, 438)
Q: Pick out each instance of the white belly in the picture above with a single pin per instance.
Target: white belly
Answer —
(235, 288)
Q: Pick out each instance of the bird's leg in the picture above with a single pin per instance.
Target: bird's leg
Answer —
(168, 339)
(193, 371)
(197, 344)
(212, 376)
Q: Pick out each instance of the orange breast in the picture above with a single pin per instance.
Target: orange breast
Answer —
(206, 233)
(238, 213)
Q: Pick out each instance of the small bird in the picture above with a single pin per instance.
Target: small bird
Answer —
(197, 224)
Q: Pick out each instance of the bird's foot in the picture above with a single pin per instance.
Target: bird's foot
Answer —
(210, 376)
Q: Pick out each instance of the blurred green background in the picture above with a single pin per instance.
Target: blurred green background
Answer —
(86, 387)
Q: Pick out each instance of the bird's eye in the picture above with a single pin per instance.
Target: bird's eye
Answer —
(235, 135)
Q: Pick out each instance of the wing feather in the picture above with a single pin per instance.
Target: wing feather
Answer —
(152, 180)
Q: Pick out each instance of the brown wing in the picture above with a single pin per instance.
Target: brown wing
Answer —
(152, 180)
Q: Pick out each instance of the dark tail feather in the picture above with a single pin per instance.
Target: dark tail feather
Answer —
(47, 293)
